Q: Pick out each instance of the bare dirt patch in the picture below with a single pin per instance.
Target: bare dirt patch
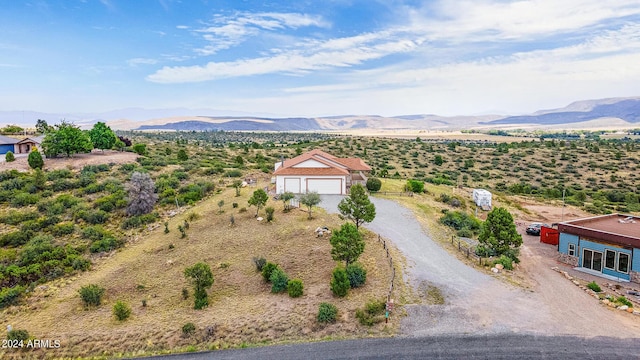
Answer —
(78, 161)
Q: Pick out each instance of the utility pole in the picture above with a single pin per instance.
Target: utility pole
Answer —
(563, 190)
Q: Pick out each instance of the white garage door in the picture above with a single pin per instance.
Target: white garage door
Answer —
(292, 185)
(325, 186)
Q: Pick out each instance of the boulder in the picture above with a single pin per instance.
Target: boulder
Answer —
(623, 307)
(606, 301)
(259, 218)
(494, 270)
(499, 266)
(630, 310)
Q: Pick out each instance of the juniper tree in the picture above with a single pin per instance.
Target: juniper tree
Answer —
(141, 194)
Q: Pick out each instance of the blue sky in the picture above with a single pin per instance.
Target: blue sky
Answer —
(317, 58)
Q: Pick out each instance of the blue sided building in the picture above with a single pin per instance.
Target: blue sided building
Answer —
(607, 246)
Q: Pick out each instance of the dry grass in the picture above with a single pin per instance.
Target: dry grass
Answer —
(242, 310)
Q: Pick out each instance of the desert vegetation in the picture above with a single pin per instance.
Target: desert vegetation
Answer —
(64, 230)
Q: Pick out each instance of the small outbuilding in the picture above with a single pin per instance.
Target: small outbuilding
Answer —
(607, 246)
(482, 198)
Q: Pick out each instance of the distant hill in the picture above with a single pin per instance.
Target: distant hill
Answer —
(587, 114)
(626, 109)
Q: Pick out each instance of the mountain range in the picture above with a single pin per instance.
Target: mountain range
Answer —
(588, 114)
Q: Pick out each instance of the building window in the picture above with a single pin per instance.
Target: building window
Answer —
(610, 260)
(623, 263)
(572, 249)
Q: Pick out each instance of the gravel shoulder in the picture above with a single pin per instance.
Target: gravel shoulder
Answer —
(478, 303)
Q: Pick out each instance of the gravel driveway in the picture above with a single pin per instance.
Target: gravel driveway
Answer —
(477, 303)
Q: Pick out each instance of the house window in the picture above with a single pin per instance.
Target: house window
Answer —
(610, 259)
(623, 263)
(592, 259)
(572, 249)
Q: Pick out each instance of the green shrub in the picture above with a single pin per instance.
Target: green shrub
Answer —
(372, 312)
(506, 261)
(295, 288)
(9, 296)
(91, 295)
(624, 301)
(139, 220)
(593, 286)
(94, 217)
(35, 159)
(15, 238)
(279, 280)
(78, 263)
(327, 313)
(94, 233)
(269, 210)
(267, 269)
(17, 217)
(107, 243)
(140, 149)
(233, 173)
(21, 199)
(374, 184)
(340, 284)
(62, 229)
(259, 262)
(188, 329)
(121, 310)
(460, 221)
(357, 275)
(18, 335)
(9, 157)
(416, 186)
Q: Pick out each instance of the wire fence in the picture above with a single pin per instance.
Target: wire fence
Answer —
(393, 268)
(398, 193)
(468, 247)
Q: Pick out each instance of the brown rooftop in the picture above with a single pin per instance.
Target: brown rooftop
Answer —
(617, 228)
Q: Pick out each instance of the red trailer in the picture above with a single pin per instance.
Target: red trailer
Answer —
(549, 235)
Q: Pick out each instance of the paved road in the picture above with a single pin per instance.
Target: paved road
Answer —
(439, 347)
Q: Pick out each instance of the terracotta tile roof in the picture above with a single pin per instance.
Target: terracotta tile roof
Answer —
(337, 164)
(311, 171)
(354, 164)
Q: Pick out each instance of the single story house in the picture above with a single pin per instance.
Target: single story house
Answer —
(318, 171)
(25, 145)
(607, 246)
(8, 144)
(18, 146)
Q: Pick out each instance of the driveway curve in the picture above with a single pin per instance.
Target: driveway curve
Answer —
(477, 303)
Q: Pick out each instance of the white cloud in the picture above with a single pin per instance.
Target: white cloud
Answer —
(292, 62)
(141, 61)
(492, 20)
(227, 32)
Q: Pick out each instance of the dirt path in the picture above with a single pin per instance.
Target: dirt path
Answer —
(477, 303)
